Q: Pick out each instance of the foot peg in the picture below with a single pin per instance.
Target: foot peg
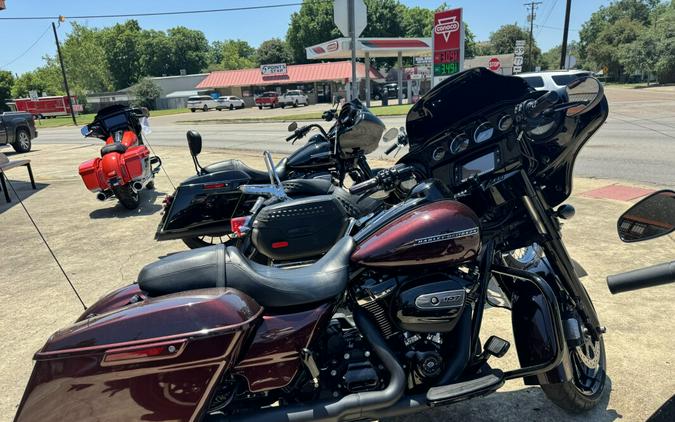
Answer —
(496, 347)
(446, 394)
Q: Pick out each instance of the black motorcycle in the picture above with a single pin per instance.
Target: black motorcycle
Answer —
(652, 217)
(200, 210)
(494, 162)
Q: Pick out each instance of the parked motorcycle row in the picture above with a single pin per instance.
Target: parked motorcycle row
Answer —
(325, 290)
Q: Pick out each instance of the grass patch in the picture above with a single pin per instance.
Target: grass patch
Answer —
(395, 110)
(83, 119)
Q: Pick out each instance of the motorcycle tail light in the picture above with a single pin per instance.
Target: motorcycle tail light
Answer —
(237, 223)
(277, 245)
(156, 351)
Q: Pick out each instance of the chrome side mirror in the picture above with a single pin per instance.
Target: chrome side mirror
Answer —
(652, 217)
(390, 135)
(85, 131)
(587, 91)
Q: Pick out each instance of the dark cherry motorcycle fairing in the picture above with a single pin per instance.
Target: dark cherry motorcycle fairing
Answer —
(157, 359)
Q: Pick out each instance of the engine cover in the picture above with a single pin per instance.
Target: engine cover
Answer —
(432, 307)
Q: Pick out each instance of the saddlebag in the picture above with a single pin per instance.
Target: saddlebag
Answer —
(90, 174)
(157, 359)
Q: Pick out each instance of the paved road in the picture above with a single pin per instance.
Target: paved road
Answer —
(637, 143)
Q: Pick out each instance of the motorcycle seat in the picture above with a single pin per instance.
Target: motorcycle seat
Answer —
(220, 266)
(257, 176)
(115, 147)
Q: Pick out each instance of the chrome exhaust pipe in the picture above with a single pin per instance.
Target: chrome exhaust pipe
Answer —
(137, 186)
(103, 195)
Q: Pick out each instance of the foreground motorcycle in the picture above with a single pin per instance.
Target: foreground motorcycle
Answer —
(208, 335)
(125, 166)
(200, 210)
(652, 217)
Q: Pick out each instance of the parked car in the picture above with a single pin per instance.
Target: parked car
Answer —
(293, 98)
(389, 90)
(201, 102)
(267, 99)
(552, 79)
(229, 102)
(17, 129)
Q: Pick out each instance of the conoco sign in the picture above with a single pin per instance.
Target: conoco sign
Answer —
(448, 44)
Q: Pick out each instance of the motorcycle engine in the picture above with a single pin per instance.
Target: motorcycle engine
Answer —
(419, 314)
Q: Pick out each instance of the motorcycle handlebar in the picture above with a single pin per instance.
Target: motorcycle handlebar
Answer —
(644, 277)
(536, 107)
(385, 179)
(390, 149)
(291, 137)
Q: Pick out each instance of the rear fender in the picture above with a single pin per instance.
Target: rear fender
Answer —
(112, 168)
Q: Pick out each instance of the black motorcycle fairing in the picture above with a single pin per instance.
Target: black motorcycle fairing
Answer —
(317, 152)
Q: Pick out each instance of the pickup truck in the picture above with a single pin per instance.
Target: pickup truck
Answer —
(17, 129)
(267, 99)
(293, 98)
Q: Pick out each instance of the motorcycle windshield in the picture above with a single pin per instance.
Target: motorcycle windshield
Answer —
(459, 98)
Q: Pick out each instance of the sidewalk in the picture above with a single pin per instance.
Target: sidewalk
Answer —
(103, 246)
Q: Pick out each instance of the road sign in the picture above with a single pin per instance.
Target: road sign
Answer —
(518, 54)
(448, 44)
(494, 64)
(341, 16)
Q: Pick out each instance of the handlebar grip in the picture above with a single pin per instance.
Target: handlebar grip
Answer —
(390, 149)
(291, 137)
(644, 277)
(363, 186)
(539, 105)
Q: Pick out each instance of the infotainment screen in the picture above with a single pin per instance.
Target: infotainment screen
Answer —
(115, 121)
(480, 165)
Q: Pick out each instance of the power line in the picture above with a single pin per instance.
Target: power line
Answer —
(27, 50)
(182, 12)
(556, 28)
(555, 3)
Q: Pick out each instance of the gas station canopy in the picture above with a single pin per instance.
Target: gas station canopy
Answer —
(339, 48)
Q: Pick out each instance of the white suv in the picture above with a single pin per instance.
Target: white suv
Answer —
(553, 79)
(201, 102)
(229, 102)
(293, 98)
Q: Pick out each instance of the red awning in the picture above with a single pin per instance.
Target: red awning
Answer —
(301, 73)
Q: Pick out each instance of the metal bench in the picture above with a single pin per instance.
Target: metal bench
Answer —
(6, 164)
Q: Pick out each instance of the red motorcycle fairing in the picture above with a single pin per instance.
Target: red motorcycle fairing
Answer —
(158, 359)
(121, 167)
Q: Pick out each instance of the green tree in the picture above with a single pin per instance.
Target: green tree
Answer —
(237, 54)
(312, 24)
(190, 50)
(215, 52)
(273, 51)
(157, 55)
(146, 92)
(47, 79)
(85, 62)
(551, 58)
(503, 41)
(122, 44)
(6, 83)
(605, 50)
(416, 21)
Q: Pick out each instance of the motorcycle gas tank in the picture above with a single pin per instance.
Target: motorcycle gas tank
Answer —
(315, 153)
(442, 232)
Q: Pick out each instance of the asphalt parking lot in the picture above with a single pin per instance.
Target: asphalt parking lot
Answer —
(102, 246)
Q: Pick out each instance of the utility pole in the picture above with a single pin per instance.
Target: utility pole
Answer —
(352, 34)
(563, 50)
(63, 71)
(533, 7)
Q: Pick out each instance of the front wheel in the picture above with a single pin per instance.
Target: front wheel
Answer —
(584, 391)
(22, 143)
(127, 196)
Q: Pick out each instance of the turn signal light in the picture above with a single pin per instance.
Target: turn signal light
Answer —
(156, 351)
(237, 223)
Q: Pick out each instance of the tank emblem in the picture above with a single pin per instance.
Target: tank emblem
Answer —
(445, 236)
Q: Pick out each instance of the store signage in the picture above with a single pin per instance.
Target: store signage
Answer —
(494, 64)
(448, 44)
(274, 69)
(518, 54)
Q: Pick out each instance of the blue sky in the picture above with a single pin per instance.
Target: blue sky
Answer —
(484, 16)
